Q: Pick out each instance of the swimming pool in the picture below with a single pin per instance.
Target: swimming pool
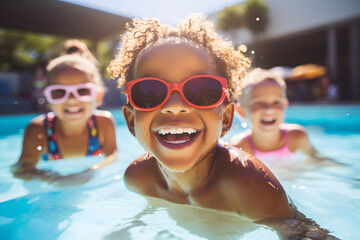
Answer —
(104, 209)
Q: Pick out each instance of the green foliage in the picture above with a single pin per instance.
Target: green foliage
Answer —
(255, 15)
(24, 51)
(230, 18)
(252, 14)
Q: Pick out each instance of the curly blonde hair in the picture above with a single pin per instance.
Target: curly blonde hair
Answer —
(142, 34)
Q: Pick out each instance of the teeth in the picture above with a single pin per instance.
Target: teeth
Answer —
(164, 131)
(73, 109)
(178, 142)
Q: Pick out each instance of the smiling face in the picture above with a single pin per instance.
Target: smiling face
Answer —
(72, 111)
(177, 135)
(264, 106)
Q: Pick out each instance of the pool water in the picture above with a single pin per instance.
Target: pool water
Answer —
(104, 209)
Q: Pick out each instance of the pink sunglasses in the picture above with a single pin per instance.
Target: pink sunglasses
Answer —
(85, 92)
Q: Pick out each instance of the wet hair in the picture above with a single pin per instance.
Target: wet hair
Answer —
(76, 57)
(257, 76)
(143, 34)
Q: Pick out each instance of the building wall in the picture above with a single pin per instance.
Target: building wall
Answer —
(325, 32)
(288, 17)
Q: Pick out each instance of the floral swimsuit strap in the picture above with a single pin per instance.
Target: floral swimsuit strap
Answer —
(53, 153)
(94, 147)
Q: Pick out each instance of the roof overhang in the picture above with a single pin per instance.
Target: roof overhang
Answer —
(60, 18)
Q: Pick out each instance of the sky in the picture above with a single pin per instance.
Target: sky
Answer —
(167, 11)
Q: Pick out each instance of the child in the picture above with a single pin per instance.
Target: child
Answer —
(263, 103)
(74, 127)
(180, 84)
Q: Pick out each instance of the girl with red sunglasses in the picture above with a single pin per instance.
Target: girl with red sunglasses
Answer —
(74, 127)
(180, 83)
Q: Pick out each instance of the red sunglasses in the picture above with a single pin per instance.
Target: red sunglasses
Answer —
(200, 91)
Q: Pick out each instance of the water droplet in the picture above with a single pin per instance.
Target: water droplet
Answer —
(117, 177)
(293, 186)
(252, 52)
(39, 148)
(40, 136)
(257, 19)
(347, 114)
(41, 101)
(244, 124)
(302, 187)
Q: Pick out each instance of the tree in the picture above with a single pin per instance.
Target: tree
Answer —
(252, 15)
(255, 16)
(230, 19)
(24, 51)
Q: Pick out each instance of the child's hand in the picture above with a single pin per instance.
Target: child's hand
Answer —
(321, 160)
(108, 160)
(298, 227)
(72, 179)
(30, 172)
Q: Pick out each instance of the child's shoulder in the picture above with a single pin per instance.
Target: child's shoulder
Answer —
(37, 123)
(141, 174)
(36, 130)
(294, 130)
(239, 162)
(104, 117)
(298, 137)
(103, 114)
(243, 173)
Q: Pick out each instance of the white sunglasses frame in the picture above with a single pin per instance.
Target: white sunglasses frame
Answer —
(71, 89)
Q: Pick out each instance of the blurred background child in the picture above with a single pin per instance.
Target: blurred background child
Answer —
(74, 127)
(263, 103)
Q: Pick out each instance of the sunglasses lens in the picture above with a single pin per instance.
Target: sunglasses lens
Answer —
(84, 91)
(148, 94)
(57, 93)
(203, 91)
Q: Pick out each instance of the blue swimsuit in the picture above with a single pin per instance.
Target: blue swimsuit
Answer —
(53, 153)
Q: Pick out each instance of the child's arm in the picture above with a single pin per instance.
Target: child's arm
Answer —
(34, 144)
(267, 202)
(303, 143)
(298, 227)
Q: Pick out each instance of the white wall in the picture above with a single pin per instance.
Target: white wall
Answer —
(287, 17)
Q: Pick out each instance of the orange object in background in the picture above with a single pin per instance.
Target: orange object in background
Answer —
(307, 71)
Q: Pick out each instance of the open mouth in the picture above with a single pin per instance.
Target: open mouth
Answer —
(73, 110)
(268, 122)
(177, 137)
